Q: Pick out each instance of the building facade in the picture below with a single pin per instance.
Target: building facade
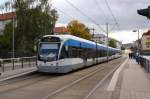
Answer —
(145, 43)
(60, 30)
(100, 38)
(118, 44)
(4, 19)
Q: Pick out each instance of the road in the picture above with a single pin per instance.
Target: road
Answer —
(75, 85)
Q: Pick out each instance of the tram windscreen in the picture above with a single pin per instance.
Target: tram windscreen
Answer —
(48, 51)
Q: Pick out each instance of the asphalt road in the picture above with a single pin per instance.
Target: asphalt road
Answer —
(49, 86)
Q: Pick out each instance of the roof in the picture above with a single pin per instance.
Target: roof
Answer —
(60, 30)
(99, 36)
(85, 42)
(147, 33)
(7, 16)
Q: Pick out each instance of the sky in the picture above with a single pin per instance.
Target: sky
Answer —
(125, 12)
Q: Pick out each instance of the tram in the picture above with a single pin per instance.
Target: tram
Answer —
(66, 53)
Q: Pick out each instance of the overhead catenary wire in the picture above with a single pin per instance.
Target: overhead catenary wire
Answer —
(116, 23)
(100, 8)
(63, 12)
(81, 12)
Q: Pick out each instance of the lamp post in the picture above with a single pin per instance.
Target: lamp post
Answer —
(92, 32)
(107, 41)
(138, 49)
(13, 31)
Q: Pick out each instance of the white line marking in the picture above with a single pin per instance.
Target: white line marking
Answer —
(102, 81)
(17, 75)
(71, 84)
(114, 79)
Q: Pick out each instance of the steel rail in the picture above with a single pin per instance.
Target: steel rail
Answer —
(75, 82)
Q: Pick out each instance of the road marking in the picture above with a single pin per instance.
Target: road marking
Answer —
(101, 82)
(114, 79)
(71, 84)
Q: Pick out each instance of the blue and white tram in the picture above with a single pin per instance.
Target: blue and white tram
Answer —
(65, 53)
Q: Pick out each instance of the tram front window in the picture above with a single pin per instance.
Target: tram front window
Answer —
(48, 52)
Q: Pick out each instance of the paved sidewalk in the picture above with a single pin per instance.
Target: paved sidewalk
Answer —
(15, 73)
(135, 84)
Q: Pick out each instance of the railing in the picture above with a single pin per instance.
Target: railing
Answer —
(144, 62)
(17, 63)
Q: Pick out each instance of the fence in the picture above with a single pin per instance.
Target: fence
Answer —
(17, 63)
(144, 62)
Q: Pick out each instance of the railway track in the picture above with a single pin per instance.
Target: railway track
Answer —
(21, 78)
(79, 83)
(23, 81)
(55, 84)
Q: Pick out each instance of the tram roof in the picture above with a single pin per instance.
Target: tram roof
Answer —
(68, 37)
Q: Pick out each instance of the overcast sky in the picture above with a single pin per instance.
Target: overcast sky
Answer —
(125, 12)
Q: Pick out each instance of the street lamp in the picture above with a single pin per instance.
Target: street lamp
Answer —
(13, 32)
(138, 41)
(107, 42)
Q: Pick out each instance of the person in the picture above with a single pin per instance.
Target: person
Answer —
(131, 55)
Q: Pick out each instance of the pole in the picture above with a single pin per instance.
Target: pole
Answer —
(107, 40)
(138, 43)
(96, 53)
(92, 32)
(13, 31)
(13, 38)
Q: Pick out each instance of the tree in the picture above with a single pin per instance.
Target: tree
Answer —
(6, 39)
(112, 43)
(101, 42)
(33, 20)
(78, 29)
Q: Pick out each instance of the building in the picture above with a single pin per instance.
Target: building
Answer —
(137, 44)
(118, 44)
(4, 19)
(100, 38)
(127, 46)
(145, 43)
(60, 30)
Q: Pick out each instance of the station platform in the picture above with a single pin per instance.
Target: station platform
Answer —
(16, 73)
(133, 82)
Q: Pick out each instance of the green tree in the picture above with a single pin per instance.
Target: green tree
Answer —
(32, 21)
(112, 43)
(101, 42)
(78, 29)
(6, 39)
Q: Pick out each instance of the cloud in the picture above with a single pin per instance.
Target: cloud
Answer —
(125, 12)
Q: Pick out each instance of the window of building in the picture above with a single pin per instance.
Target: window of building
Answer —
(148, 44)
(148, 38)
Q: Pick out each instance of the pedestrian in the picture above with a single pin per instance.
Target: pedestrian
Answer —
(131, 55)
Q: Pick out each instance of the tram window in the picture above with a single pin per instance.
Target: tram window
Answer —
(64, 53)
